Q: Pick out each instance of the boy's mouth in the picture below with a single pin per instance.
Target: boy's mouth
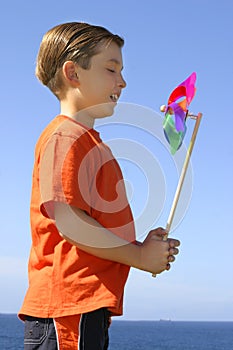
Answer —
(114, 97)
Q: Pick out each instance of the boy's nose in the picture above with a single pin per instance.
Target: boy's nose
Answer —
(122, 82)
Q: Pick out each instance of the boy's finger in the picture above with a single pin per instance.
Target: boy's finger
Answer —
(173, 251)
(159, 232)
(173, 242)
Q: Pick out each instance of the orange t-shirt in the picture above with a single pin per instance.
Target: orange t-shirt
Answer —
(72, 165)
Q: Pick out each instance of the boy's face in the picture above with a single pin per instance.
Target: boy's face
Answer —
(102, 83)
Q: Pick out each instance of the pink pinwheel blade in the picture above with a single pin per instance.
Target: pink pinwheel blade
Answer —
(186, 90)
(190, 87)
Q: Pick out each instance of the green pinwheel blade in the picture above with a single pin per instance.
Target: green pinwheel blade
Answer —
(174, 137)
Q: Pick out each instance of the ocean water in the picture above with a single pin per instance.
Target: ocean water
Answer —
(143, 335)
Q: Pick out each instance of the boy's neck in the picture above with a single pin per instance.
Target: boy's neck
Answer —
(81, 117)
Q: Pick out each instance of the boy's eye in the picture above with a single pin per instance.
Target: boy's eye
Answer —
(111, 70)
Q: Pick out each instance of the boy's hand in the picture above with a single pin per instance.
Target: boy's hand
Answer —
(156, 254)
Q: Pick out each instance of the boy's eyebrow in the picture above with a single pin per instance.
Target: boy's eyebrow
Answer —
(114, 60)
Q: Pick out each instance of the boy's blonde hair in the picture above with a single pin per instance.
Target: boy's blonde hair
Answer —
(74, 41)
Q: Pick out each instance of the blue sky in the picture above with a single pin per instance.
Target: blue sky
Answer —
(165, 41)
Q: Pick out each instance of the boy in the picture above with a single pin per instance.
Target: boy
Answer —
(83, 238)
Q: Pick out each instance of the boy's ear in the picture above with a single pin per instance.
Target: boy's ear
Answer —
(70, 72)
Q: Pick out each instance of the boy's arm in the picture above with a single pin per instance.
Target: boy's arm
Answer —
(81, 230)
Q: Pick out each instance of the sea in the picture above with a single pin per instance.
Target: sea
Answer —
(143, 335)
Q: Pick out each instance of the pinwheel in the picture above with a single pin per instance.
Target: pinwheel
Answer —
(174, 126)
(177, 107)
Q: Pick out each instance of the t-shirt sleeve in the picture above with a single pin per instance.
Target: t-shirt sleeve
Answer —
(64, 174)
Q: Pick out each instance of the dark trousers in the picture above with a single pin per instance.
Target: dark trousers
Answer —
(40, 333)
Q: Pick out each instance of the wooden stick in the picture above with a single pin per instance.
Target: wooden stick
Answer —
(182, 177)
